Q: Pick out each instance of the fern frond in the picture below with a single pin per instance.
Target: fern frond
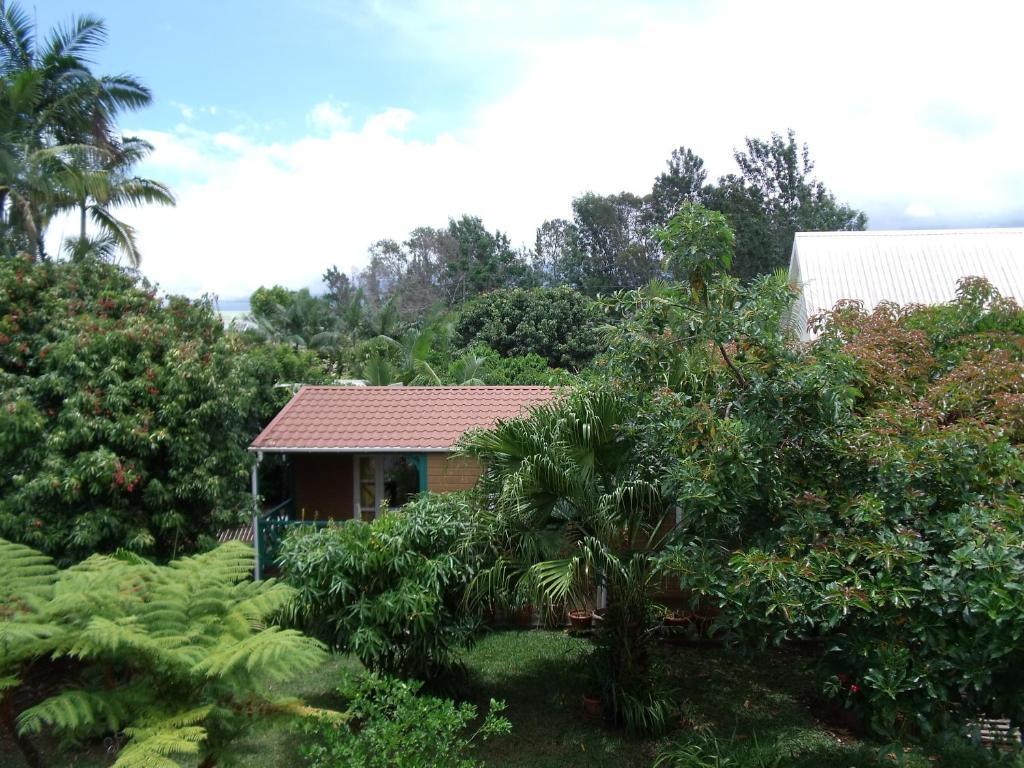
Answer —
(76, 711)
(24, 574)
(152, 747)
(295, 708)
(273, 654)
(9, 682)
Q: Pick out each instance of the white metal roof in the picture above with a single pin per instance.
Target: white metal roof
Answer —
(903, 266)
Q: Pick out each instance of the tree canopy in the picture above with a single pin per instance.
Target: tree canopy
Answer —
(125, 418)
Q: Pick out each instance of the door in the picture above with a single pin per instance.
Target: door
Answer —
(391, 478)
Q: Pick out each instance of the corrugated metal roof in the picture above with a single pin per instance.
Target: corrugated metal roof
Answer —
(902, 266)
(352, 419)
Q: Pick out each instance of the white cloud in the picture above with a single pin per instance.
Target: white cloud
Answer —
(392, 120)
(918, 211)
(598, 106)
(329, 118)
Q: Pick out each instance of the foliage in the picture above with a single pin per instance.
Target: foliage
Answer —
(175, 659)
(292, 317)
(124, 418)
(611, 242)
(390, 591)
(394, 726)
(572, 506)
(558, 324)
(774, 197)
(59, 146)
(918, 581)
(522, 370)
(865, 489)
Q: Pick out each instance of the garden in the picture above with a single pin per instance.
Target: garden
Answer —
(772, 554)
(716, 546)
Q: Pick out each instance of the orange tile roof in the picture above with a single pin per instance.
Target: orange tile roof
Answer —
(391, 418)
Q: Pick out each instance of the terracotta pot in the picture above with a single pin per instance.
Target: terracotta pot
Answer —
(678, 619)
(592, 705)
(580, 621)
(523, 617)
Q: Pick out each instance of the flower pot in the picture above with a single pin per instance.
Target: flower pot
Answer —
(676, 619)
(522, 617)
(592, 705)
(580, 621)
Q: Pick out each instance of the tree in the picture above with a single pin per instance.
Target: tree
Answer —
(124, 418)
(177, 660)
(775, 180)
(108, 185)
(683, 182)
(571, 505)
(558, 324)
(293, 317)
(556, 258)
(614, 248)
(59, 148)
(480, 262)
(381, 278)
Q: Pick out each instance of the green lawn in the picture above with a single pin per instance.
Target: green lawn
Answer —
(762, 710)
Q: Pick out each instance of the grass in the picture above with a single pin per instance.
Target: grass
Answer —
(757, 711)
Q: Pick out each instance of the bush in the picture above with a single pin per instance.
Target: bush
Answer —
(390, 591)
(124, 418)
(868, 491)
(396, 727)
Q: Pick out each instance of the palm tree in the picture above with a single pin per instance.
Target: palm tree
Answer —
(97, 191)
(572, 508)
(59, 149)
(305, 321)
(74, 105)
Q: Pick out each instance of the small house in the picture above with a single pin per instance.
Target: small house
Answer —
(353, 449)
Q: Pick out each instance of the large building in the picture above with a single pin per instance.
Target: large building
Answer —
(900, 266)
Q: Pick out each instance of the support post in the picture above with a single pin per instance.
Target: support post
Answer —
(257, 570)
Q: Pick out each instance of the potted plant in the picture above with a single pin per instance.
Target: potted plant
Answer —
(580, 620)
(677, 619)
(592, 705)
(522, 616)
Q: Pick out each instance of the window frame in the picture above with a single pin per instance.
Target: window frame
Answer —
(366, 513)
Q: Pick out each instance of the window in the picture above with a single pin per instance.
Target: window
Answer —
(391, 478)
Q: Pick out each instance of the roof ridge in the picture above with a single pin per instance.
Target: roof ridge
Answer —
(912, 232)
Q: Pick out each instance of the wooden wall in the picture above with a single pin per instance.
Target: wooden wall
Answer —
(450, 474)
(323, 486)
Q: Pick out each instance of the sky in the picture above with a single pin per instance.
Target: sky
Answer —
(294, 135)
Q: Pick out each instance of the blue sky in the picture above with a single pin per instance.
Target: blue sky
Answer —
(295, 134)
(262, 65)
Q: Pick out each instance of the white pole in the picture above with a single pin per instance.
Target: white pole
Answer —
(256, 514)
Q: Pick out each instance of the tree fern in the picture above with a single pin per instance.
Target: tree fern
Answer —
(75, 711)
(195, 632)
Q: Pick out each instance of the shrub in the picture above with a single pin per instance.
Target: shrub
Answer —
(124, 418)
(390, 591)
(176, 660)
(396, 727)
(889, 523)
(865, 489)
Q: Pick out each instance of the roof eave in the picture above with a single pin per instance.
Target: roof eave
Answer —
(378, 449)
